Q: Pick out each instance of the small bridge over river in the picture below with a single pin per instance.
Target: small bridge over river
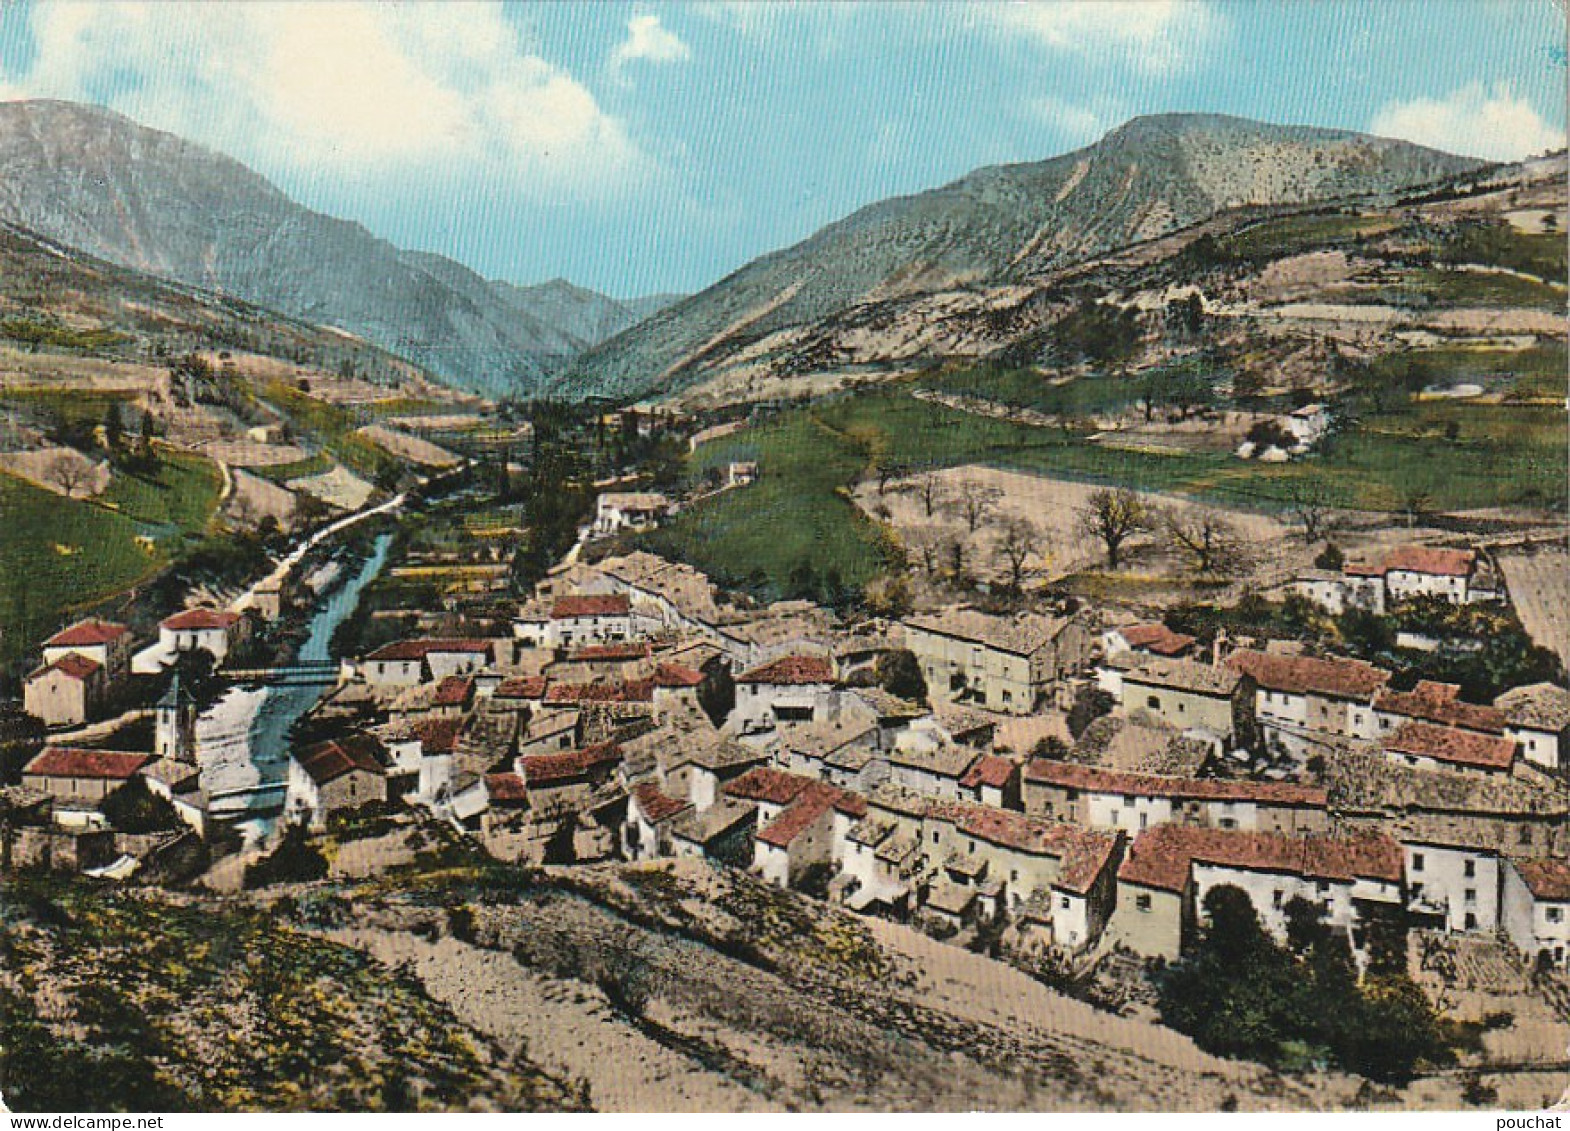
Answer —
(305, 673)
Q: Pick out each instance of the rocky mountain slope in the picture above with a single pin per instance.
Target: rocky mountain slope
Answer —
(1006, 227)
(159, 204)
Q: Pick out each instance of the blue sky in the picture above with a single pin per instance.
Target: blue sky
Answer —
(645, 147)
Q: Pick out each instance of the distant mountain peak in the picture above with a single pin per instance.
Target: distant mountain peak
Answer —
(95, 179)
(1008, 224)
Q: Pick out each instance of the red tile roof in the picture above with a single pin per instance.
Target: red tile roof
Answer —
(805, 799)
(1302, 675)
(72, 665)
(196, 619)
(990, 770)
(676, 675)
(438, 736)
(330, 760)
(797, 819)
(1439, 703)
(1428, 559)
(609, 652)
(791, 670)
(1081, 852)
(454, 691)
(1157, 638)
(625, 691)
(506, 788)
(1093, 779)
(521, 687)
(87, 634)
(1162, 857)
(554, 769)
(82, 762)
(419, 649)
(1417, 559)
(1546, 878)
(655, 805)
(764, 783)
(591, 605)
(1448, 744)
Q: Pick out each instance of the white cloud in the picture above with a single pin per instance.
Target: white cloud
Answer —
(1155, 36)
(650, 41)
(359, 89)
(1079, 124)
(1474, 120)
(750, 17)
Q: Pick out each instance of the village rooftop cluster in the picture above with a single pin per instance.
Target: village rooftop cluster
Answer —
(1078, 776)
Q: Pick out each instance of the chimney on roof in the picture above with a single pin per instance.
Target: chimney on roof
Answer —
(1220, 648)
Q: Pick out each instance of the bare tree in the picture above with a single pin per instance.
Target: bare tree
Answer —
(1018, 541)
(1113, 516)
(929, 489)
(1415, 502)
(1206, 537)
(66, 471)
(1309, 502)
(956, 547)
(927, 543)
(975, 503)
(885, 472)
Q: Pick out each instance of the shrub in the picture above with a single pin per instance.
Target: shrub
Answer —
(295, 860)
(133, 808)
(1238, 993)
(1089, 705)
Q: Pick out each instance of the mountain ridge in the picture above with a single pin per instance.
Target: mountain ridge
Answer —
(1006, 225)
(158, 203)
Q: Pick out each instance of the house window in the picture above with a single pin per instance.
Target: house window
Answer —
(1553, 914)
(1469, 869)
(1142, 902)
(1152, 702)
(1471, 895)
(1228, 823)
(972, 846)
(1471, 921)
(1275, 898)
(1128, 803)
(1417, 861)
(1063, 902)
(934, 836)
(1014, 875)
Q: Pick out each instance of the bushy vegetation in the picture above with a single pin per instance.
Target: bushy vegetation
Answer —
(34, 333)
(1302, 1005)
(157, 1007)
(1495, 243)
(1483, 648)
(133, 808)
(294, 860)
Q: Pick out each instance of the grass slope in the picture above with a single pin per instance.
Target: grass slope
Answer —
(62, 554)
(1501, 455)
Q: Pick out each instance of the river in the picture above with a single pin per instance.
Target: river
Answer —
(242, 741)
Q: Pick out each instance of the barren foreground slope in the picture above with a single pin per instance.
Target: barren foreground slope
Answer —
(685, 987)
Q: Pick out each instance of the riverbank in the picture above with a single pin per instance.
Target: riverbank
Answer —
(242, 742)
